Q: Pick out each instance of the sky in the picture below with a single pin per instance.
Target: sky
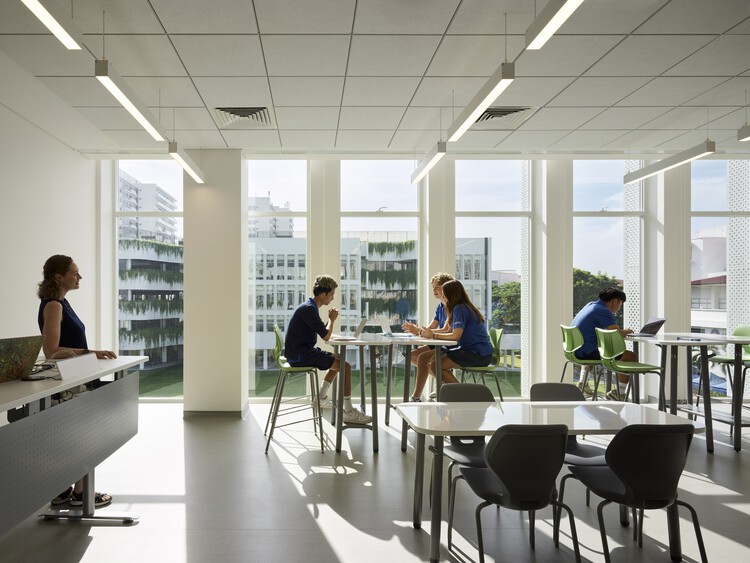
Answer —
(481, 185)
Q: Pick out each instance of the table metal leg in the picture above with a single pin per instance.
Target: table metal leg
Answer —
(706, 387)
(418, 482)
(362, 371)
(340, 403)
(689, 363)
(374, 397)
(407, 385)
(437, 497)
(673, 531)
(663, 382)
(673, 358)
(737, 393)
(388, 383)
(438, 371)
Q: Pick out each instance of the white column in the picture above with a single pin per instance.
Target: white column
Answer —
(551, 267)
(216, 283)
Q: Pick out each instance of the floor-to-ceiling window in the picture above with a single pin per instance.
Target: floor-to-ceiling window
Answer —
(150, 266)
(492, 241)
(277, 231)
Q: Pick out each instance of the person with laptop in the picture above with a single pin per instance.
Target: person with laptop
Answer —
(601, 314)
(420, 357)
(466, 326)
(299, 346)
(64, 335)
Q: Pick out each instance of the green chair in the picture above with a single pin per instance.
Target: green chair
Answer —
(572, 341)
(728, 361)
(611, 345)
(285, 370)
(496, 335)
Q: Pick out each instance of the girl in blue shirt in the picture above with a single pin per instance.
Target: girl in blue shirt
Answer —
(467, 326)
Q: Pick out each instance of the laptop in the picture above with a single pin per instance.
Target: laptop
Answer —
(357, 332)
(651, 327)
(18, 356)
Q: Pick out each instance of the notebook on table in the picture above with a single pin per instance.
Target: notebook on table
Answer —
(17, 356)
(651, 327)
(357, 332)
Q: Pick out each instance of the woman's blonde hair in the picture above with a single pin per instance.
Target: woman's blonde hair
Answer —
(49, 287)
(455, 294)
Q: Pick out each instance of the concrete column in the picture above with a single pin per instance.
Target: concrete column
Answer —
(216, 285)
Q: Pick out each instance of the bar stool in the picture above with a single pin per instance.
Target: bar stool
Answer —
(313, 401)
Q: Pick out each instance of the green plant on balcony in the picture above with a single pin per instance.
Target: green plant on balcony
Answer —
(397, 248)
(153, 337)
(162, 306)
(391, 279)
(169, 277)
(159, 248)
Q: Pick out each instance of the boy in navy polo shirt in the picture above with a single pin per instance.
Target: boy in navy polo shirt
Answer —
(300, 349)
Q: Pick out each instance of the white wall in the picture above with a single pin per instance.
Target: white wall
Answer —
(48, 205)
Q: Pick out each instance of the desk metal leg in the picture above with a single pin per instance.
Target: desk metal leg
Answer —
(418, 482)
(340, 403)
(673, 357)
(388, 383)
(706, 386)
(374, 397)
(737, 393)
(407, 385)
(437, 497)
(438, 371)
(362, 371)
(663, 382)
(673, 531)
(689, 379)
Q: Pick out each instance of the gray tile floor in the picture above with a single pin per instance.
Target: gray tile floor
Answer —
(205, 491)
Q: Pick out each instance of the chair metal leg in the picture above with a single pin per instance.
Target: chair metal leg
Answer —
(562, 376)
(532, 528)
(273, 402)
(318, 411)
(573, 532)
(696, 525)
(602, 530)
(480, 543)
(275, 413)
(451, 508)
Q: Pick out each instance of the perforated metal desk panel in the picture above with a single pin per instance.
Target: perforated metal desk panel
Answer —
(43, 453)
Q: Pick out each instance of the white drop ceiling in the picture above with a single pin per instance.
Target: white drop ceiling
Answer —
(387, 77)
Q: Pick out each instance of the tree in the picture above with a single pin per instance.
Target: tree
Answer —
(586, 287)
(506, 305)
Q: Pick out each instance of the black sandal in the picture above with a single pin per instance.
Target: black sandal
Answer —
(100, 499)
(62, 498)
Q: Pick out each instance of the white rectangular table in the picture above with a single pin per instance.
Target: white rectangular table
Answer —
(670, 344)
(46, 447)
(474, 419)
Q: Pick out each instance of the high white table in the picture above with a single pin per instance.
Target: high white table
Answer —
(47, 447)
(670, 344)
(474, 419)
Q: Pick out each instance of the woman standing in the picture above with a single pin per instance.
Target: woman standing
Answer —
(65, 336)
(466, 324)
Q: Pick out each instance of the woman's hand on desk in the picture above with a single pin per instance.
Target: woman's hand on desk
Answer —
(410, 327)
(104, 354)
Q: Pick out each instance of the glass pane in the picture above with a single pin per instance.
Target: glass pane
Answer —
(150, 307)
(708, 273)
(277, 284)
(708, 189)
(150, 185)
(277, 185)
(377, 185)
(488, 264)
(597, 185)
(598, 253)
(488, 185)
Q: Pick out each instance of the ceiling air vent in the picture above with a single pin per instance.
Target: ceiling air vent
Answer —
(502, 118)
(244, 118)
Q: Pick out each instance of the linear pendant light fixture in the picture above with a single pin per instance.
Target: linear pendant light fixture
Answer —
(554, 14)
(186, 162)
(743, 133)
(427, 163)
(699, 151)
(58, 23)
(113, 82)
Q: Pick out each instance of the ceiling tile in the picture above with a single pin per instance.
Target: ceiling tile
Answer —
(690, 139)
(310, 16)
(617, 16)
(565, 55)
(306, 91)
(487, 17)
(696, 16)
(586, 140)
(201, 140)
(220, 55)
(363, 139)
(199, 16)
(687, 118)
(234, 92)
(643, 138)
(417, 141)
(550, 119)
(431, 118)
(447, 92)
(306, 55)
(370, 118)
(733, 119)
(728, 93)
(415, 17)
(598, 91)
(80, 91)
(478, 140)
(624, 118)
(527, 140)
(136, 139)
(43, 55)
(252, 139)
(291, 139)
(652, 55)
(391, 55)
(17, 18)
(184, 118)
(716, 58)
(307, 117)
(387, 91)
(110, 118)
(135, 16)
(141, 55)
(531, 92)
(670, 91)
(473, 55)
(174, 91)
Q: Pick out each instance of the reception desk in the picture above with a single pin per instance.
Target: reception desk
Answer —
(47, 447)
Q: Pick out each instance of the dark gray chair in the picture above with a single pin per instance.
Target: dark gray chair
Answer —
(644, 465)
(464, 450)
(522, 465)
